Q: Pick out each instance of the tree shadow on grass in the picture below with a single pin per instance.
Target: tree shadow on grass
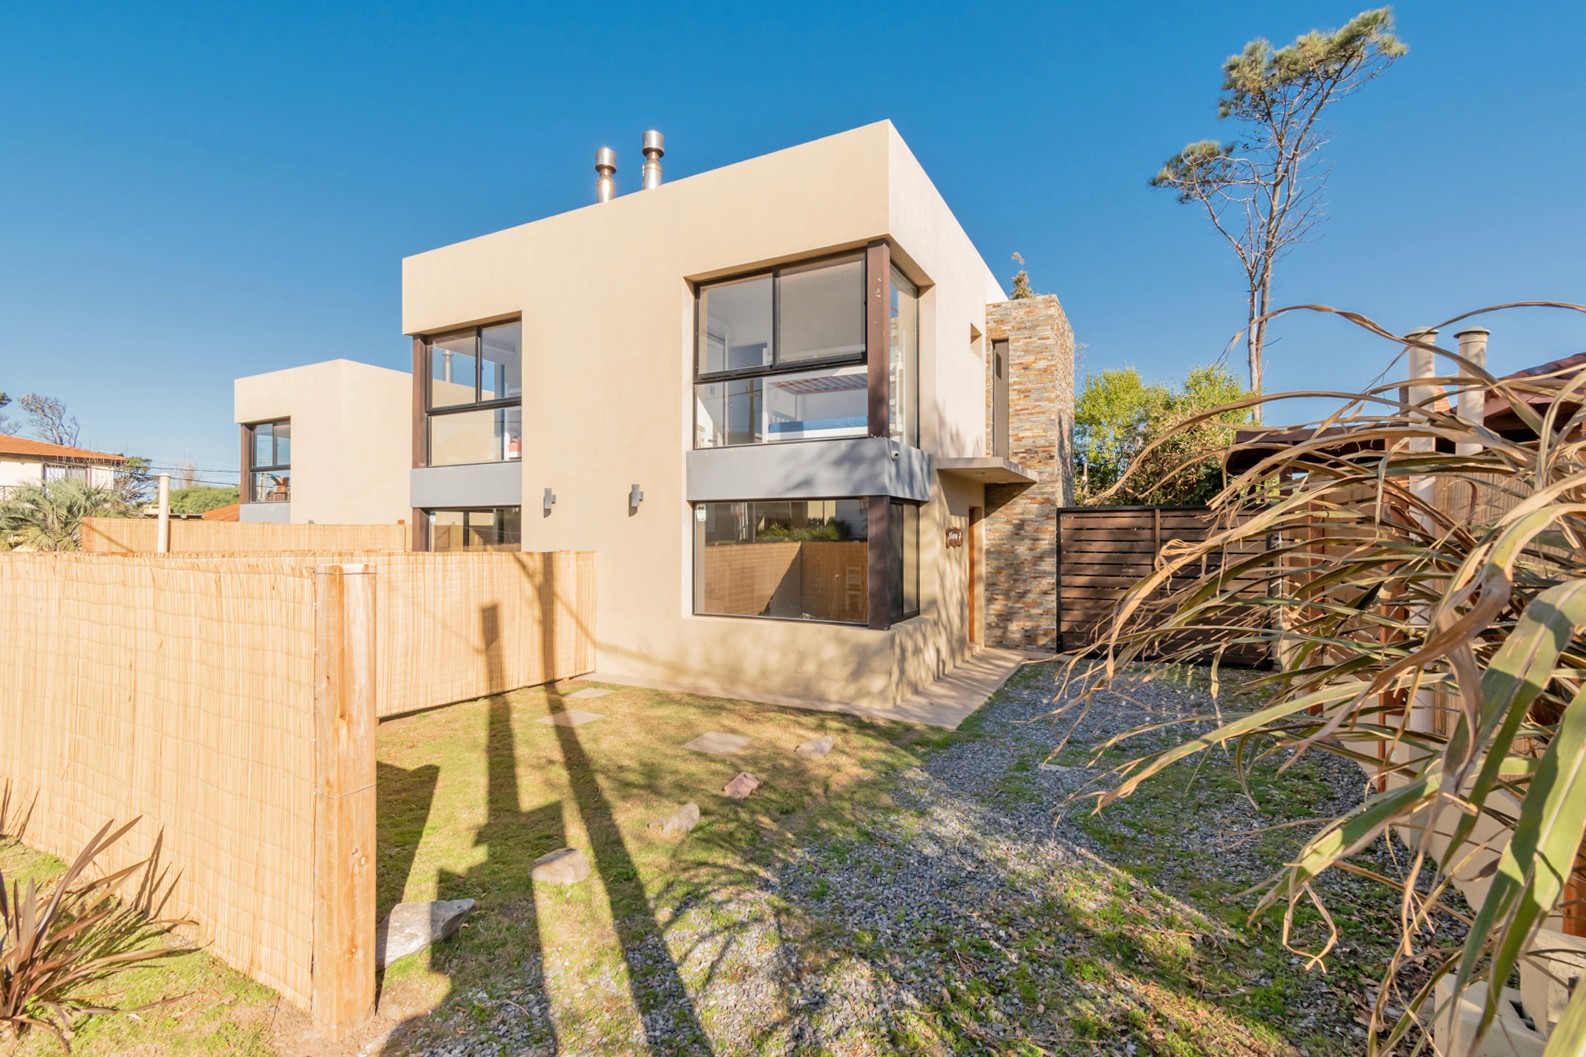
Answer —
(663, 1002)
(505, 922)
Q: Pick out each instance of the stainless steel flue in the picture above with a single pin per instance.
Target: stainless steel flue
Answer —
(654, 147)
(606, 174)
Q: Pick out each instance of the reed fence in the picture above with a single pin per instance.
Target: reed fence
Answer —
(104, 535)
(230, 702)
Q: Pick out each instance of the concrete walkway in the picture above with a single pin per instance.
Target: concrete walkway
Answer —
(949, 701)
(945, 703)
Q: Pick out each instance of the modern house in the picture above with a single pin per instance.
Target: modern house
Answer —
(326, 443)
(816, 449)
(24, 461)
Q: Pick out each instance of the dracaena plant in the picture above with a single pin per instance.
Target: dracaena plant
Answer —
(61, 948)
(1418, 579)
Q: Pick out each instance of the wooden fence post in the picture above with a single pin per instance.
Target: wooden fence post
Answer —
(344, 797)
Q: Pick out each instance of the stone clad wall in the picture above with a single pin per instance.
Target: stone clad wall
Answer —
(1021, 520)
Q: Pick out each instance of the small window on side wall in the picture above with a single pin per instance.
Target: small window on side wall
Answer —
(904, 527)
(269, 471)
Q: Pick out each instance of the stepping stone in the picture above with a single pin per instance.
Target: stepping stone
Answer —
(1065, 772)
(740, 787)
(718, 744)
(564, 866)
(589, 692)
(678, 822)
(410, 927)
(571, 718)
(817, 747)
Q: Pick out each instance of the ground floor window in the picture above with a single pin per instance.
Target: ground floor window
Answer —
(808, 559)
(904, 527)
(494, 529)
(800, 559)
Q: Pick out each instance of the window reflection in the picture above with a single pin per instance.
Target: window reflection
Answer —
(808, 405)
(788, 559)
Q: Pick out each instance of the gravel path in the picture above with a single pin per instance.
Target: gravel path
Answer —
(966, 910)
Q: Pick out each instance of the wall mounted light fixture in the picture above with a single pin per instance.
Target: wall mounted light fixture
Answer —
(635, 497)
(550, 501)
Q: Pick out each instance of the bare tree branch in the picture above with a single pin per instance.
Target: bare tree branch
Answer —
(1262, 191)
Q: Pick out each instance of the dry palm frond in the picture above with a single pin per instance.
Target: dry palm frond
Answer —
(58, 950)
(1419, 582)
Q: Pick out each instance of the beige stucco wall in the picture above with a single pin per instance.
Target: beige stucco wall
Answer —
(607, 308)
(352, 445)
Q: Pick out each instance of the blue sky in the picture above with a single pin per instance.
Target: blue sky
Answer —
(194, 192)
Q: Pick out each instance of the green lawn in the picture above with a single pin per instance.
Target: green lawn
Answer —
(470, 795)
(1138, 941)
(204, 1007)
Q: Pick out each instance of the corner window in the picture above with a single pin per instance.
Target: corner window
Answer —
(903, 404)
(786, 559)
(269, 477)
(497, 529)
(904, 555)
(781, 356)
(474, 395)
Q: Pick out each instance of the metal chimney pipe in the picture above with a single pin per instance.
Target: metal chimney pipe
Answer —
(606, 170)
(1473, 400)
(1423, 365)
(654, 147)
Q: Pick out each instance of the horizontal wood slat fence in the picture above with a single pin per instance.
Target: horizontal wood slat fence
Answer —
(1104, 551)
(230, 701)
(113, 535)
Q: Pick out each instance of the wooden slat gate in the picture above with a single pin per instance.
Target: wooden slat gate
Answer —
(1103, 551)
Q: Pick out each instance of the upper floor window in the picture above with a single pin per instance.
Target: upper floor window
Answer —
(474, 396)
(781, 355)
(903, 403)
(269, 477)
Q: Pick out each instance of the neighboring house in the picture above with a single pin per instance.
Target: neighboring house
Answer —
(25, 461)
(328, 443)
(786, 403)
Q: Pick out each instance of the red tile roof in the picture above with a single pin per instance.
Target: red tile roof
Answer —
(230, 512)
(38, 450)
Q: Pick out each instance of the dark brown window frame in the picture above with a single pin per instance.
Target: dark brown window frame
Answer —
(877, 259)
(422, 515)
(870, 561)
(884, 591)
(423, 408)
(249, 467)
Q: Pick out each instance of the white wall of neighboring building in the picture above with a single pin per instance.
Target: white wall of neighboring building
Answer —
(26, 471)
(15, 472)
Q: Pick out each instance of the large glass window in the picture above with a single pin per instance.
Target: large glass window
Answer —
(270, 462)
(780, 356)
(788, 559)
(803, 405)
(498, 529)
(475, 394)
(904, 527)
(903, 412)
